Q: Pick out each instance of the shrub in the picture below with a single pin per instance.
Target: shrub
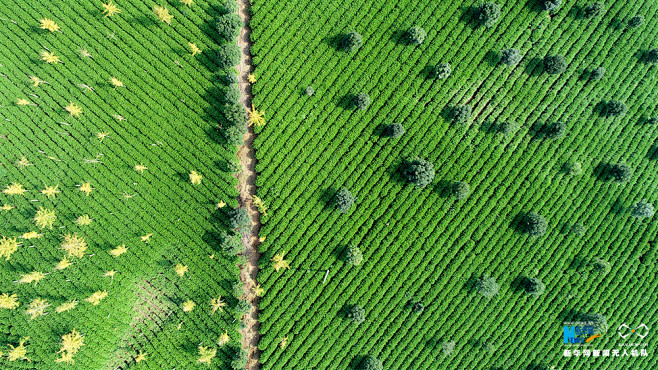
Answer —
(508, 128)
(534, 224)
(597, 73)
(462, 114)
(352, 41)
(555, 130)
(615, 108)
(554, 65)
(487, 286)
(416, 35)
(600, 266)
(371, 363)
(636, 21)
(353, 255)
(417, 307)
(243, 307)
(619, 172)
(362, 100)
(642, 209)
(448, 348)
(344, 200)
(230, 78)
(233, 165)
(234, 135)
(419, 172)
(594, 9)
(228, 55)
(510, 57)
(310, 91)
(240, 220)
(599, 322)
(652, 121)
(357, 314)
(394, 130)
(234, 113)
(578, 229)
(441, 71)
(229, 6)
(534, 286)
(237, 289)
(550, 5)
(241, 359)
(232, 93)
(229, 26)
(574, 169)
(652, 56)
(231, 244)
(460, 190)
(489, 14)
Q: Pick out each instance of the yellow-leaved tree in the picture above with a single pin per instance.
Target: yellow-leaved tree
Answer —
(49, 24)
(14, 188)
(37, 308)
(110, 9)
(73, 109)
(71, 344)
(74, 245)
(83, 220)
(119, 250)
(163, 14)
(256, 117)
(51, 191)
(45, 218)
(86, 188)
(64, 263)
(180, 269)
(216, 304)
(195, 178)
(49, 57)
(195, 49)
(9, 302)
(66, 306)
(206, 354)
(19, 352)
(279, 263)
(32, 277)
(96, 298)
(8, 246)
(188, 305)
(223, 339)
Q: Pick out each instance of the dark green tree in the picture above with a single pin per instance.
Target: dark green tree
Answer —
(615, 108)
(534, 224)
(394, 130)
(371, 363)
(550, 5)
(231, 244)
(487, 286)
(228, 55)
(599, 322)
(240, 220)
(619, 172)
(352, 41)
(510, 57)
(357, 314)
(441, 71)
(652, 120)
(636, 21)
(460, 190)
(353, 255)
(534, 286)
(507, 128)
(243, 307)
(240, 360)
(416, 35)
(578, 229)
(489, 14)
(642, 209)
(234, 114)
(574, 168)
(597, 73)
(229, 26)
(234, 135)
(594, 10)
(555, 130)
(652, 56)
(344, 200)
(600, 266)
(419, 172)
(462, 114)
(362, 100)
(554, 65)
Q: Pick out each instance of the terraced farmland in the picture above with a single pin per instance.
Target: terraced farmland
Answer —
(122, 129)
(422, 245)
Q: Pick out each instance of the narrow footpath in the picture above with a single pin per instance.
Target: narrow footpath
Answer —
(247, 188)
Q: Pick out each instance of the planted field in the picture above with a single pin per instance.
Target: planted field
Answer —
(113, 187)
(423, 249)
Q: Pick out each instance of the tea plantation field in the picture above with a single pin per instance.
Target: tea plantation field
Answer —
(113, 187)
(424, 250)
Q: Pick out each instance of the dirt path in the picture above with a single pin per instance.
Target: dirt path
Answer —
(247, 188)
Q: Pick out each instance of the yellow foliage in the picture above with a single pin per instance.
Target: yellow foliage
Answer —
(116, 83)
(21, 101)
(195, 178)
(7, 207)
(36, 81)
(119, 250)
(83, 220)
(223, 339)
(102, 135)
(284, 342)
(195, 49)
(86, 188)
(188, 306)
(146, 238)
(251, 78)
(45, 218)
(279, 262)
(64, 263)
(66, 306)
(71, 344)
(255, 117)
(110, 9)
(23, 162)
(67, 357)
(33, 276)
(49, 24)
(163, 14)
(180, 269)
(187, 2)
(96, 298)
(221, 204)
(9, 302)
(261, 239)
(216, 304)
(258, 290)
(262, 208)
(51, 191)
(73, 109)
(18, 353)
(37, 308)
(31, 235)
(8, 246)
(14, 189)
(141, 356)
(206, 354)
(74, 245)
(85, 54)
(49, 57)
(140, 167)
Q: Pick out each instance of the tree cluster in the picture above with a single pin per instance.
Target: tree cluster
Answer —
(394, 130)
(550, 5)
(419, 172)
(356, 314)
(362, 101)
(619, 172)
(462, 114)
(441, 71)
(416, 35)
(554, 65)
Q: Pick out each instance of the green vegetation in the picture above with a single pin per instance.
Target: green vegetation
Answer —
(416, 35)
(419, 172)
(460, 190)
(642, 209)
(534, 224)
(352, 41)
(489, 14)
(353, 255)
(441, 71)
(395, 130)
(356, 314)
(344, 200)
(554, 65)
(510, 57)
(487, 286)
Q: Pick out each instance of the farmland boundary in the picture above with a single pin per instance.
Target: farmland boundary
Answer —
(247, 189)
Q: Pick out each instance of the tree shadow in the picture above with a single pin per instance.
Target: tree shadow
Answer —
(492, 58)
(568, 315)
(577, 12)
(328, 197)
(469, 285)
(652, 153)
(396, 171)
(426, 72)
(517, 222)
(602, 172)
(355, 364)
(617, 207)
(443, 188)
(538, 130)
(617, 23)
(346, 102)
(518, 284)
(380, 131)
(339, 252)
(534, 67)
(470, 16)
(143, 20)
(489, 127)
(336, 41)
(401, 37)
(533, 6)
(601, 109)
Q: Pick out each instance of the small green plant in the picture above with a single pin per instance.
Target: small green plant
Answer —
(460, 190)
(574, 168)
(600, 266)
(353, 255)
(362, 100)
(448, 348)
(510, 57)
(554, 65)
(489, 14)
(441, 71)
